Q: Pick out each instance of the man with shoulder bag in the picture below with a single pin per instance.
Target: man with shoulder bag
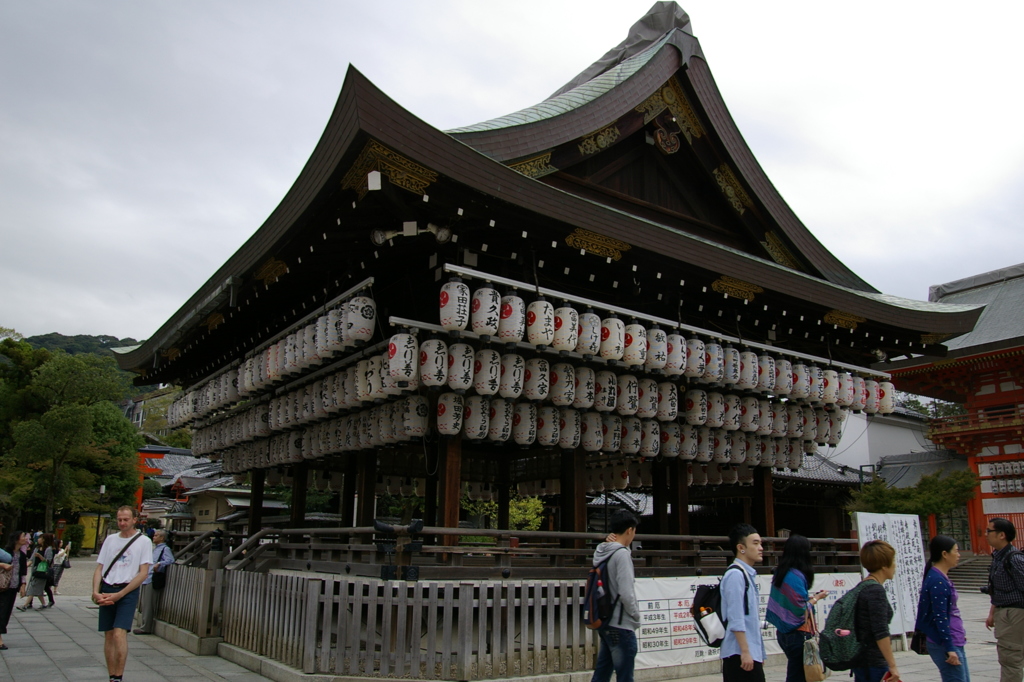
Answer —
(122, 565)
(1006, 591)
(153, 586)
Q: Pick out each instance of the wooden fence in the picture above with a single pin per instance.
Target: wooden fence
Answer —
(192, 599)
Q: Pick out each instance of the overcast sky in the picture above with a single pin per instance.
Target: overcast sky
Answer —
(141, 143)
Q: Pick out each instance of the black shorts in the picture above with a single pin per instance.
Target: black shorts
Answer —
(732, 672)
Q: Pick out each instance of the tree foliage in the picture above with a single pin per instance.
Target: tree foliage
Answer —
(524, 513)
(938, 493)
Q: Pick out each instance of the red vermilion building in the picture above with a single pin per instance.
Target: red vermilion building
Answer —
(984, 370)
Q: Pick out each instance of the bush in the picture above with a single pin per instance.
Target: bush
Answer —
(74, 533)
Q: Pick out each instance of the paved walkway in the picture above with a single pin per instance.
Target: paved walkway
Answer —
(58, 644)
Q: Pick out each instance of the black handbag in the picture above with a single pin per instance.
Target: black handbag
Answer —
(159, 580)
(919, 643)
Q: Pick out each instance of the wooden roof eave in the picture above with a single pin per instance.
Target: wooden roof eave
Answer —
(363, 108)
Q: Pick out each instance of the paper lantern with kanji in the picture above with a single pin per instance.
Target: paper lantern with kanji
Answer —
(611, 431)
(687, 441)
(627, 394)
(449, 414)
(634, 348)
(374, 378)
(403, 357)
(670, 439)
(860, 394)
(414, 418)
(650, 437)
(752, 455)
(360, 319)
(705, 445)
(588, 341)
(730, 365)
(815, 384)
(721, 446)
(695, 365)
(844, 395)
(836, 421)
(748, 371)
(783, 377)
(765, 373)
(714, 369)
(605, 390)
(695, 402)
(591, 432)
(613, 338)
(749, 413)
(512, 325)
(486, 371)
(536, 379)
(563, 384)
(657, 349)
(485, 311)
(886, 402)
(524, 423)
(461, 360)
(434, 363)
(548, 420)
(585, 388)
(476, 417)
(732, 414)
(830, 386)
(455, 305)
(668, 401)
(716, 410)
(794, 421)
(499, 427)
(569, 428)
(513, 369)
(630, 436)
(647, 399)
(871, 396)
(801, 382)
(567, 322)
(675, 355)
(540, 323)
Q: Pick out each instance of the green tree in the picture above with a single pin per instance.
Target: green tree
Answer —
(938, 493)
(9, 333)
(151, 489)
(181, 438)
(524, 513)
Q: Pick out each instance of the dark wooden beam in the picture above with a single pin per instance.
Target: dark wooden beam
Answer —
(300, 482)
(574, 494)
(349, 489)
(367, 503)
(257, 481)
(450, 485)
(504, 485)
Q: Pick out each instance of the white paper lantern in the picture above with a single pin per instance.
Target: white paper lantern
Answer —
(548, 420)
(837, 420)
(375, 377)
(486, 371)
(795, 460)
(585, 388)
(753, 450)
(414, 419)
(476, 417)
(714, 368)
(605, 391)
(778, 422)
(403, 357)
(730, 365)
(670, 439)
(588, 341)
(512, 325)
(767, 459)
(815, 383)
(668, 402)
(592, 432)
(449, 414)
(794, 421)
(569, 428)
(732, 414)
(434, 363)
(765, 373)
(499, 428)
(737, 447)
(461, 359)
(455, 305)
(524, 423)
(657, 349)
(513, 368)
(335, 331)
(830, 387)
(696, 405)
(562, 390)
(783, 377)
(749, 413)
(540, 323)
(714, 475)
(730, 475)
(634, 345)
(355, 384)
(886, 401)
(781, 452)
(611, 431)
(620, 479)
(627, 394)
(631, 436)
(801, 382)
(567, 322)
(705, 444)
(871, 396)
(647, 399)
(720, 446)
(485, 311)
(716, 410)
(860, 394)
(810, 423)
(360, 319)
(844, 395)
(537, 379)
(363, 386)
(688, 442)
(748, 371)
(613, 338)
(675, 355)
(650, 437)
(700, 475)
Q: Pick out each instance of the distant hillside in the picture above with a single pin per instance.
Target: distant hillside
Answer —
(81, 343)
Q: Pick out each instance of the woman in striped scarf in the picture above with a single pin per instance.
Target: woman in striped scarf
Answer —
(790, 604)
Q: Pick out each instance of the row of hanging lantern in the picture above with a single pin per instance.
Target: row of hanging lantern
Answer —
(400, 486)
(344, 328)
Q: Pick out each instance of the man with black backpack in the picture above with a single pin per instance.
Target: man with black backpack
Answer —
(1006, 615)
(742, 649)
(618, 633)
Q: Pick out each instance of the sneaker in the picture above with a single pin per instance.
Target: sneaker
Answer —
(24, 608)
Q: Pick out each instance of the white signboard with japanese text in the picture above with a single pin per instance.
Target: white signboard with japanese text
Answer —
(667, 636)
(903, 532)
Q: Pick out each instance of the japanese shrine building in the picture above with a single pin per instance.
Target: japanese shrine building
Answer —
(629, 196)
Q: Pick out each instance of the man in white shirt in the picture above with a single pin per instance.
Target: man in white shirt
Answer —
(122, 565)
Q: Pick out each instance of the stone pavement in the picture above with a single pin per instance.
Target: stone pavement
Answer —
(981, 652)
(62, 643)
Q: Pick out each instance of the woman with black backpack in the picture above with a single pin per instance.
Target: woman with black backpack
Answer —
(938, 615)
(791, 606)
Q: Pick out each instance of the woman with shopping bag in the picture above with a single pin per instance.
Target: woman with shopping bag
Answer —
(790, 604)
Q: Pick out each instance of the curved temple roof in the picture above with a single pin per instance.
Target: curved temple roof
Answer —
(463, 156)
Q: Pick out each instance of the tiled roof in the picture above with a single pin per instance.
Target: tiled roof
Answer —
(820, 470)
(1002, 293)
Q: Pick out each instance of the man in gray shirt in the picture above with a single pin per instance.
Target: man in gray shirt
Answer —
(618, 635)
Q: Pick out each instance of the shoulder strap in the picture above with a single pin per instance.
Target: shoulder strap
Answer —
(746, 586)
(119, 555)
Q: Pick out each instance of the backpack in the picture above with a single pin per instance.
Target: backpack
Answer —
(707, 608)
(598, 604)
(838, 643)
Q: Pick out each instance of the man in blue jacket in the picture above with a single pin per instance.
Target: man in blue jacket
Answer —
(618, 635)
(742, 649)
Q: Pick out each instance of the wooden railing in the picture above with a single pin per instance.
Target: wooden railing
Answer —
(979, 420)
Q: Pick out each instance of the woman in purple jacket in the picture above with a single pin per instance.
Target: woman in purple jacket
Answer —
(938, 615)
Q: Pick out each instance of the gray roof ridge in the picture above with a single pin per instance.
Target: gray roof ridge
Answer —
(938, 291)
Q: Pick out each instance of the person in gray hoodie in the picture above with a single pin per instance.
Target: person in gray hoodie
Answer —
(618, 635)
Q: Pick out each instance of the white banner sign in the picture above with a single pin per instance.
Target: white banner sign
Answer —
(667, 636)
(903, 532)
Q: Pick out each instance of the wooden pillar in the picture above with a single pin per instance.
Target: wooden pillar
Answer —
(349, 488)
(257, 481)
(449, 485)
(430, 501)
(574, 495)
(659, 471)
(679, 497)
(366, 507)
(762, 513)
(300, 481)
(504, 486)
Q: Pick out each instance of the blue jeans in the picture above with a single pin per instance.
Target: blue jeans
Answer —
(618, 651)
(950, 673)
(872, 674)
(792, 644)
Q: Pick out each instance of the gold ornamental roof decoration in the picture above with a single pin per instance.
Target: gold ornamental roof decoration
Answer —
(402, 172)
(597, 244)
(672, 97)
(736, 288)
(271, 270)
(213, 321)
(930, 339)
(776, 248)
(170, 353)
(732, 189)
(602, 139)
(536, 167)
(843, 319)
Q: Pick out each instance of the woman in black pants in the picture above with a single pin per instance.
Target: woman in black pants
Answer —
(40, 583)
(11, 573)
